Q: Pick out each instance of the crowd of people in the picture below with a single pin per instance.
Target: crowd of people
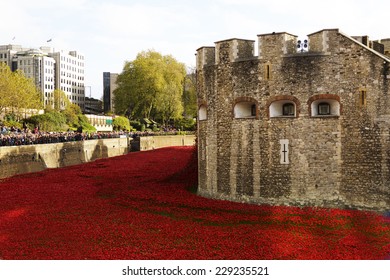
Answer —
(12, 136)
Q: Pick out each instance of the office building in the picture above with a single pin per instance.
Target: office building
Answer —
(50, 70)
(109, 85)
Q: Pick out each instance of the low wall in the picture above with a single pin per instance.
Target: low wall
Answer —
(145, 143)
(23, 159)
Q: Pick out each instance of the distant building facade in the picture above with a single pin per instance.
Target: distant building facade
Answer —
(50, 70)
(93, 106)
(306, 127)
(70, 75)
(101, 123)
(109, 85)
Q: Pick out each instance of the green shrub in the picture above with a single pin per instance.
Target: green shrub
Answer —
(84, 124)
(60, 121)
(10, 117)
(121, 123)
(50, 121)
(136, 125)
(187, 124)
(10, 123)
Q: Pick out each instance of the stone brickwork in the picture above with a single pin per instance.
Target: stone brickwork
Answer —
(23, 159)
(295, 128)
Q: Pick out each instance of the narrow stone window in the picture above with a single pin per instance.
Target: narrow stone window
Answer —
(323, 108)
(363, 98)
(267, 71)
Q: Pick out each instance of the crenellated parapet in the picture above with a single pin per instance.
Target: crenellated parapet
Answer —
(321, 41)
(276, 44)
(233, 50)
(205, 56)
(225, 51)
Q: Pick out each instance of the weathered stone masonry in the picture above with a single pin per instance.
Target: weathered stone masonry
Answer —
(295, 128)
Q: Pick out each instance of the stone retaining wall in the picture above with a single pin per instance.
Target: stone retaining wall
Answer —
(145, 143)
(23, 159)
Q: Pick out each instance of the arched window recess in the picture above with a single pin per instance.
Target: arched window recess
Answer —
(283, 106)
(202, 112)
(324, 105)
(245, 108)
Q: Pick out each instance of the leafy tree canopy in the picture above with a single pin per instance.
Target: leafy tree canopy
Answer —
(17, 93)
(189, 96)
(54, 120)
(151, 87)
(121, 123)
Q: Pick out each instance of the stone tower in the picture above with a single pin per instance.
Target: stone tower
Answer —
(291, 127)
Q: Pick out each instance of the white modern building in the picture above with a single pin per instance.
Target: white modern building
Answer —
(50, 70)
(40, 67)
(70, 75)
(7, 52)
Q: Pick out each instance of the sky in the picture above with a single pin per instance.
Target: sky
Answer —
(109, 33)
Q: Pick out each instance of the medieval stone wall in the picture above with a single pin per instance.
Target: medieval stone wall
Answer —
(251, 150)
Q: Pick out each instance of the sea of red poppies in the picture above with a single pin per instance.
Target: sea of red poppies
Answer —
(143, 206)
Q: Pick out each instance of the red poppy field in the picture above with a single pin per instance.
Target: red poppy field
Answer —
(142, 206)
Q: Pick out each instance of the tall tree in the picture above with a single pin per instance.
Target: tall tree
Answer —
(150, 86)
(169, 105)
(17, 92)
(169, 99)
(5, 87)
(61, 101)
(189, 95)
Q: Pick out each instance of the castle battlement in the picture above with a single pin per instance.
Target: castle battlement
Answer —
(277, 44)
(205, 56)
(234, 49)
